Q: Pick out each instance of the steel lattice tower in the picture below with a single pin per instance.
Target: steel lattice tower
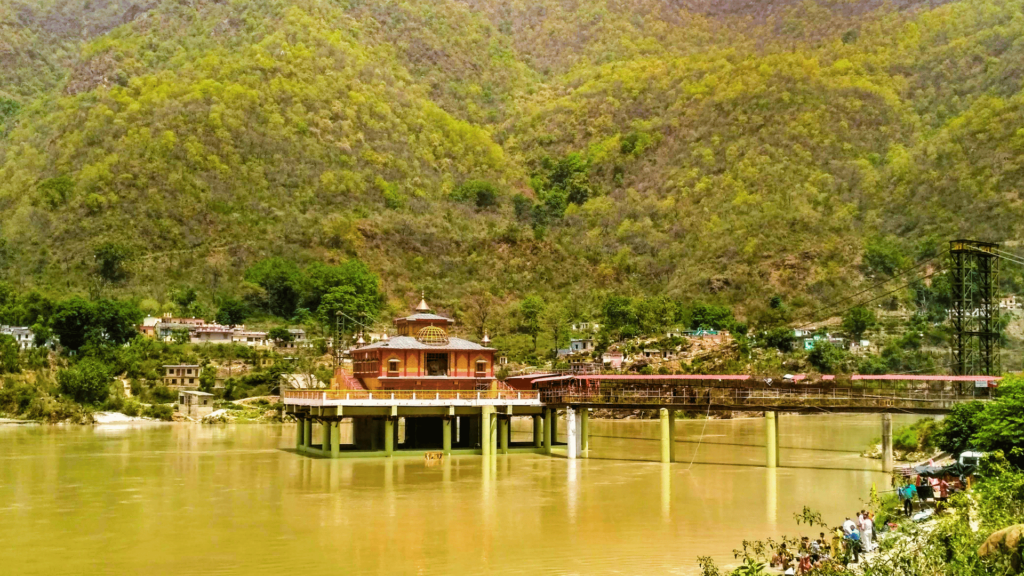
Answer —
(974, 274)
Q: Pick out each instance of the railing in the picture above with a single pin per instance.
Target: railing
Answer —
(810, 398)
(411, 395)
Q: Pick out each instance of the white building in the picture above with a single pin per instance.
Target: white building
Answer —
(22, 335)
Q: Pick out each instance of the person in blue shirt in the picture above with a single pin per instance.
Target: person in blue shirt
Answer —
(907, 494)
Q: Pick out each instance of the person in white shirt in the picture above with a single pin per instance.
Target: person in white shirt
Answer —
(848, 526)
(867, 533)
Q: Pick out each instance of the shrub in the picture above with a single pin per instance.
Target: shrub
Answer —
(158, 412)
(88, 382)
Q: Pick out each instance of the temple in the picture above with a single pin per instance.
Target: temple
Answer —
(422, 356)
(417, 392)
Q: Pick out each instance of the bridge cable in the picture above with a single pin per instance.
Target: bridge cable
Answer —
(893, 291)
(873, 287)
(701, 439)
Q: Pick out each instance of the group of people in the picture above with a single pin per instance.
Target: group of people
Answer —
(855, 536)
(924, 489)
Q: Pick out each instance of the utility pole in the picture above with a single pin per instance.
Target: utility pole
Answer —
(974, 275)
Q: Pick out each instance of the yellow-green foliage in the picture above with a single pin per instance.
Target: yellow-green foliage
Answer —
(723, 151)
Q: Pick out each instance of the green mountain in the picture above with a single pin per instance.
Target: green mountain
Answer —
(705, 149)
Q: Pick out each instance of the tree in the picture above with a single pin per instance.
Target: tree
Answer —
(71, 321)
(231, 312)
(481, 193)
(555, 322)
(479, 308)
(959, 428)
(180, 336)
(827, 358)
(780, 338)
(1001, 422)
(710, 317)
(282, 280)
(184, 297)
(112, 260)
(882, 255)
(87, 382)
(530, 311)
(857, 321)
(280, 334)
(115, 321)
(353, 273)
(8, 354)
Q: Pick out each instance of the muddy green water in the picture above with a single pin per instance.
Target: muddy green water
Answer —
(187, 499)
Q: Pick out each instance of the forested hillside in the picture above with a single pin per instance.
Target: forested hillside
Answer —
(713, 150)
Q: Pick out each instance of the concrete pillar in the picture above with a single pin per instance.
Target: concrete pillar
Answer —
(486, 435)
(887, 459)
(503, 430)
(325, 444)
(548, 417)
(571, 433)
(300, 427)
(584, 432)
(667, 440)
(446, 440)
(335, 439)
(389, 436)
(554, 426)
(307, 433)
(538, 431)
(672, 434)
(772, 440)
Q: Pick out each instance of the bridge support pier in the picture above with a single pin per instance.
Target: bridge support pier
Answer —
(504, 426)
(887, 460)
(335, 428)
(325, 443)
(668, 435)
(538, 431)
(772, 441)
(300, 427)
(307, 433)
(584, 432)
(446, 435)
(572, 432)
(549, 416)
(389, 436)
(488, 434)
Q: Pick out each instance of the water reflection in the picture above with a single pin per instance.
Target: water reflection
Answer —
(238, 499)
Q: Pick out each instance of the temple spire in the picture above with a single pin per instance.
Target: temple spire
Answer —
(422, 306)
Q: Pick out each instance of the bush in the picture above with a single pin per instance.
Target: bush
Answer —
(88, 382)
(158, 412)
(482, 193)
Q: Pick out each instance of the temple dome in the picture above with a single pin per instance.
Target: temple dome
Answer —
(432, 336)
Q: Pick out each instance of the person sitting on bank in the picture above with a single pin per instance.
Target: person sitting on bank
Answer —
(805, 565)
(782, 559)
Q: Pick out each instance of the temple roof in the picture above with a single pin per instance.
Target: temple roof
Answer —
(410, 343)
(422, 317)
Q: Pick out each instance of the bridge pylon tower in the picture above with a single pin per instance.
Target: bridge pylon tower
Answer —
(974, 277)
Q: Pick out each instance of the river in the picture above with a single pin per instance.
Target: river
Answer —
(233, 499)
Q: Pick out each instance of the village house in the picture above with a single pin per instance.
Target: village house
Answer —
(1009, 302)
(298, 340)
(22, 335)
(195, 404)
(652, 354)
(586, 327)
(581, 345)
(613, 358)
(181, 375)
(212, 334)
(250, 338)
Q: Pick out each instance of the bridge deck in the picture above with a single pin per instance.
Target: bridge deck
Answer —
(872, 394)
